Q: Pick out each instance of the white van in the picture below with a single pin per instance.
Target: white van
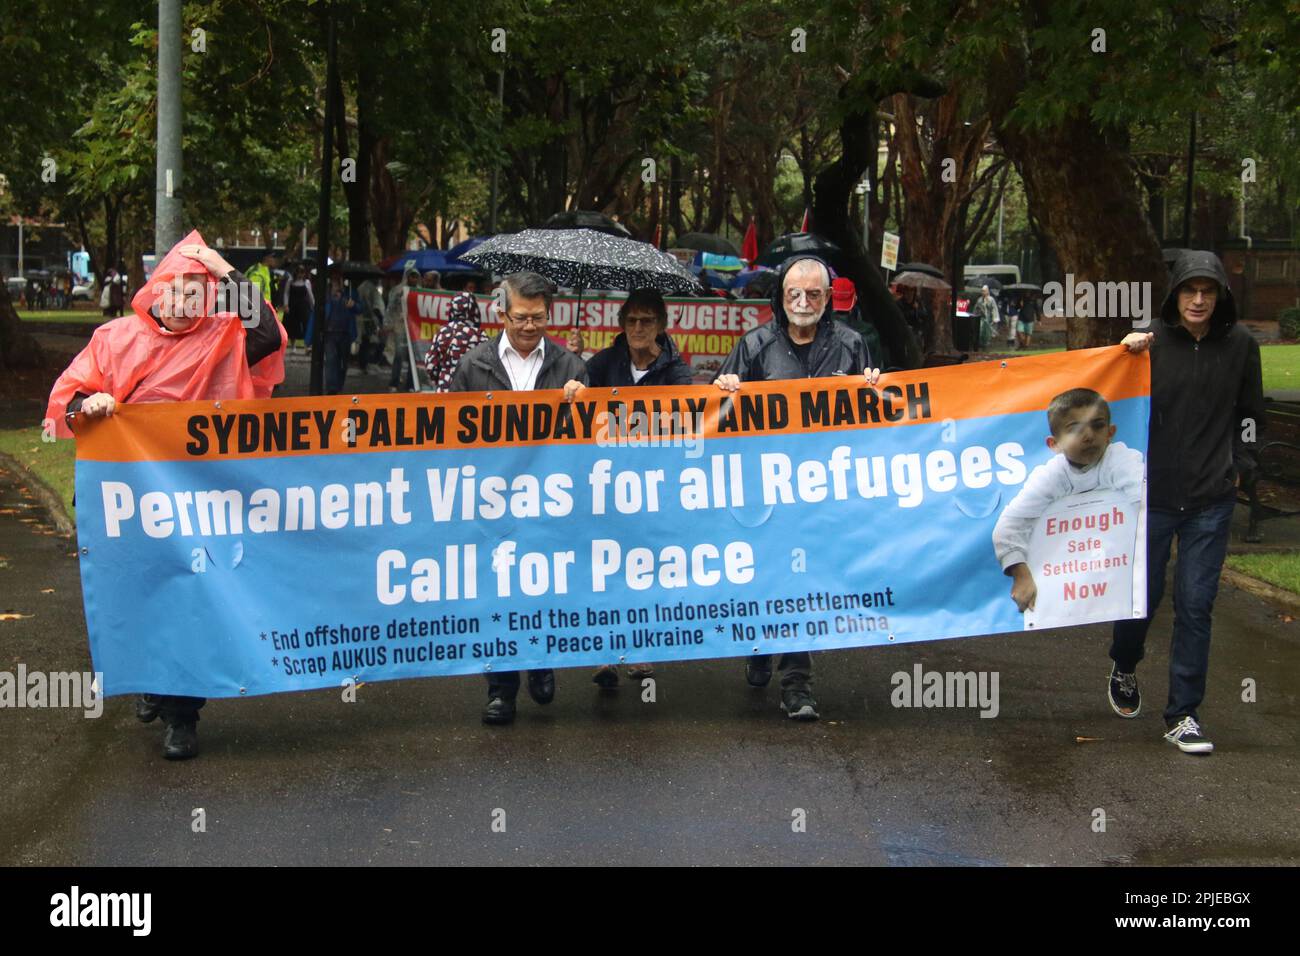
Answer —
(1005, 273)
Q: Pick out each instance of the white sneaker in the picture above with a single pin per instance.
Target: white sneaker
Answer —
(1186, 734)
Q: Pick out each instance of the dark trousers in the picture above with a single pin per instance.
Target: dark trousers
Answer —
(795, 668)
(1202, 545)
(400, 377)
(177, 710)
(506, 683)
(337, 352)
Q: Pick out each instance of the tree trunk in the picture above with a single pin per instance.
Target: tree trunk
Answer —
(112, 209)
(389, 210)
(934, 194)
(832, 188)
(675, 196)
(1083, 192)
(18, 348)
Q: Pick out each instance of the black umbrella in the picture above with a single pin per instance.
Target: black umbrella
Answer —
(584, 259)
(1022, 287)
(920, 280)
(798, 244)
(995, 285)
(708, 242)
(584, 219)
(922, 267)
(358, 270)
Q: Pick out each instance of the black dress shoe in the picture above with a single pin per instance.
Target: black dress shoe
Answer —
(181, 742)
(499, 711)
(541, 686)
(758, 673)
(146, 707)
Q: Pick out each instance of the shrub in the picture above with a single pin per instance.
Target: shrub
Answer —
(1288, 323)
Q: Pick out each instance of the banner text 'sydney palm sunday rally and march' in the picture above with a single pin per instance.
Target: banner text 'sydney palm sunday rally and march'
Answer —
(251, 547)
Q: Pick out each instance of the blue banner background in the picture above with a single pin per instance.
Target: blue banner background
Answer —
(158, 626)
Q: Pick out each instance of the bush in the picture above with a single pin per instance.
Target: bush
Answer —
(1288, 323)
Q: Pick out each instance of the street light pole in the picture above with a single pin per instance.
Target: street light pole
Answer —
(492, 199)
(167, 189)
(317, 343)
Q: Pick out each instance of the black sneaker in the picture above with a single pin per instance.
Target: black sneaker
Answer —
(499, 711)
(181, 741)
(758, 673)
(798, 703)
(1123, 693)
(1189, 738)
(606, 677)
(146, 708)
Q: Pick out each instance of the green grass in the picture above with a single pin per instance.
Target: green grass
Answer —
(52, 462)
(63, 315)
(1280, 570)
(1281, 366)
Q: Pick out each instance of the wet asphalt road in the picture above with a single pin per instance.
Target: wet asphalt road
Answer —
(711, 772)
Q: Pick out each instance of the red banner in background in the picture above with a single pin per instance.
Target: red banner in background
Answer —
(704, 330)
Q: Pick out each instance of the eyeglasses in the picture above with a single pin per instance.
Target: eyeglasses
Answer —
(523, 321)
(814, 296)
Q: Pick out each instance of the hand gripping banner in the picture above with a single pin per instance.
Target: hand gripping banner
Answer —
(253, 547)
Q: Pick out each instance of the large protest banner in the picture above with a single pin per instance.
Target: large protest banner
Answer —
(234, 548)
(704, 330)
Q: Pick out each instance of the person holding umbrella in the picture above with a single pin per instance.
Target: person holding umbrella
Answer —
(520, 360)
(802, 340)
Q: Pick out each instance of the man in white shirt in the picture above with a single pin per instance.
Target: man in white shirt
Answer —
(520, 360)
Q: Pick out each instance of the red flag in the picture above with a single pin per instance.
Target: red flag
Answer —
(658, 236)
(807, 221)
(749, 249)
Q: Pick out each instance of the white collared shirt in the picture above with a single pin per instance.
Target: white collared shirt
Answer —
(521, 371)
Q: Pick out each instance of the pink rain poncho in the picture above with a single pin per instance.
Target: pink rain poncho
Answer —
(135, 359)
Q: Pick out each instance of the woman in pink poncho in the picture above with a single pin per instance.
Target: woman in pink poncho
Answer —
(198, 330)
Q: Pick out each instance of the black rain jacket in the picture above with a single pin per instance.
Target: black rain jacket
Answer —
(767, 353)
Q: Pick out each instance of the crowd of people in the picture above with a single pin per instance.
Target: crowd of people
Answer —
(1205, 379)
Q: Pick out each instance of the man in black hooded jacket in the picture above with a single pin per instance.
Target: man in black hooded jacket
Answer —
(1207, 407)
(802, 340)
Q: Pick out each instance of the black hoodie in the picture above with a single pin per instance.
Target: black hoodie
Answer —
(767, 353)
(1202, 394)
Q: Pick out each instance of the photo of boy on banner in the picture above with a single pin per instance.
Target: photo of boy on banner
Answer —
(1079, 518)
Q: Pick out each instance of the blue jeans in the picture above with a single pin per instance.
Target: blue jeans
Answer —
(1202, 546)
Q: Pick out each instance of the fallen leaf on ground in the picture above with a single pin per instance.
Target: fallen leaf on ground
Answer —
(1084, 740)
(13, 617)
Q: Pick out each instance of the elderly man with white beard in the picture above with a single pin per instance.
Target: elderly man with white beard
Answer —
(803, 340)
